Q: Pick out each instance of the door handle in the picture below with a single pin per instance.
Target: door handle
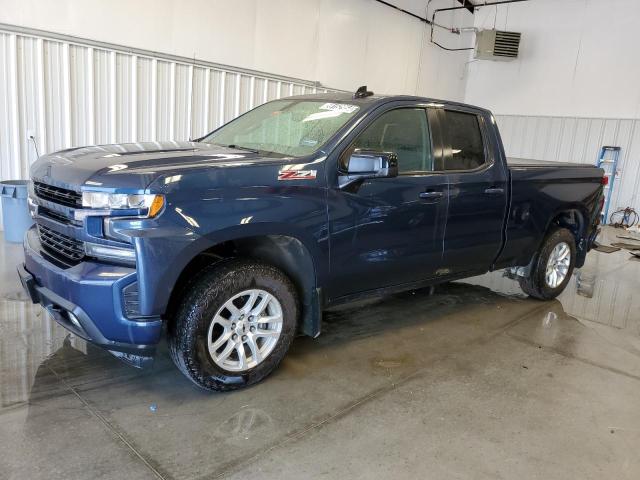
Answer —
(494, 191)
(431, 195)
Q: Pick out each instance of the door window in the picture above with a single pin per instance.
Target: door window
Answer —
(467, 149)
(403, 131)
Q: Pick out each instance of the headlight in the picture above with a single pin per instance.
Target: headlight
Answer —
(114, 201)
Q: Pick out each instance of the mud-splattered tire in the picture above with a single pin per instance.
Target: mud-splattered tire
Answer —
(216, 309)
(538, 285)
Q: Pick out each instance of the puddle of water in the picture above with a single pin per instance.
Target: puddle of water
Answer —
(585, 283)
(549, 319)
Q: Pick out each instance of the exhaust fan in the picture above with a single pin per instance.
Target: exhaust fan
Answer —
(497, 45)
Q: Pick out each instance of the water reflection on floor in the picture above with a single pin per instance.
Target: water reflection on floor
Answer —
(605, 290)
(473, 381)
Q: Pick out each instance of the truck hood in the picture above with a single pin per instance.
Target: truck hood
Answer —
(133, 166)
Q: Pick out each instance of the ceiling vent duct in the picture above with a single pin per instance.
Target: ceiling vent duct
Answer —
(497, 45)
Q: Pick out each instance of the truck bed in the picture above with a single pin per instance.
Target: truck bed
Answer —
(526, 170)
(540, 189)
(528, 162)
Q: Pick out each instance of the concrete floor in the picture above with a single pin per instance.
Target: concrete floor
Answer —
(475, 381)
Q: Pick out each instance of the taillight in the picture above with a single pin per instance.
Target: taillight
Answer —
(605, 180)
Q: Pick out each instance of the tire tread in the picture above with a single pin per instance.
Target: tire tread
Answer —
(534, 285)
(212, 282)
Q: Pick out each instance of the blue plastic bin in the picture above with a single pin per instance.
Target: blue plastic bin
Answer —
(15, 210)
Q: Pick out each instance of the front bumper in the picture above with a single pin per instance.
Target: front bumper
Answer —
(87, 300)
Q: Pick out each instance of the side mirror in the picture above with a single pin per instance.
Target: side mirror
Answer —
(370, 164)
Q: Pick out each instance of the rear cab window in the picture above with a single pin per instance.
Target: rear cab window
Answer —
(465, 136)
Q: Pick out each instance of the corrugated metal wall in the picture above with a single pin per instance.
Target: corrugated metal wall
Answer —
(68, 92)
(578, 140)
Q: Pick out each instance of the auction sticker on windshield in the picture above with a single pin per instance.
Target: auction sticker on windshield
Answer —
(339, 107)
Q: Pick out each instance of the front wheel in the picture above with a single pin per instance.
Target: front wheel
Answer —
(235, 325)
(552, 266)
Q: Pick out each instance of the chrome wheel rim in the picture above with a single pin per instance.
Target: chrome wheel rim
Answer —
(558, 265)
(244, 330)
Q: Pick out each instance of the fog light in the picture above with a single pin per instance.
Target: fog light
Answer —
(131, 298)
(106, 252)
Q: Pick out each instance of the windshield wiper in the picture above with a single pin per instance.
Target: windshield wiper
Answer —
(247, 149)
(239, 147)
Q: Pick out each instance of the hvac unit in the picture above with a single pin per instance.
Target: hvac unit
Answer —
(497, 45)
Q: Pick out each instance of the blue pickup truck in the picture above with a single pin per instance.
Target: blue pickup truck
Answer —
(232, 244)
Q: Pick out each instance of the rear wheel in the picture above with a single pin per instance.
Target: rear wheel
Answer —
(235, 325)
(552, 266)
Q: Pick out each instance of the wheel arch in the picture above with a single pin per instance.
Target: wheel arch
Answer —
(573, 219)
(284, 251)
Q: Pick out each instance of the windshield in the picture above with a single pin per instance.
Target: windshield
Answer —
(288, 127)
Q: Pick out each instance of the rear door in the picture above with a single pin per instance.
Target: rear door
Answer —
(477, 191)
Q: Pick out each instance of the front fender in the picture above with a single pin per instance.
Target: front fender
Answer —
(187, 228)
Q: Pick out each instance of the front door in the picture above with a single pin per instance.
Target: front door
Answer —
(389, 231)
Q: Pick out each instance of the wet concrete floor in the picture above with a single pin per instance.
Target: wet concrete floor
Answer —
(475, 381)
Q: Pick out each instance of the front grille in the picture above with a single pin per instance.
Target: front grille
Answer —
(60, 245)
(63, 196)
(54, 215)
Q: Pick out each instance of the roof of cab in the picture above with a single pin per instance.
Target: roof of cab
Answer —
(375, 100)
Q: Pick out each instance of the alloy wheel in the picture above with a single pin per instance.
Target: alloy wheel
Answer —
(558, 265)
(244, 330)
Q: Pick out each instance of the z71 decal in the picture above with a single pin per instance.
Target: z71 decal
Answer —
(290, 174)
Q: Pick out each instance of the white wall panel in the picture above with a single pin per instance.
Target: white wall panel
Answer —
(577, 58)
(69, 94)
(578, 140)
(125, 96)
(145, 99)
(340, 43)
(29, 94)
(80, 91)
